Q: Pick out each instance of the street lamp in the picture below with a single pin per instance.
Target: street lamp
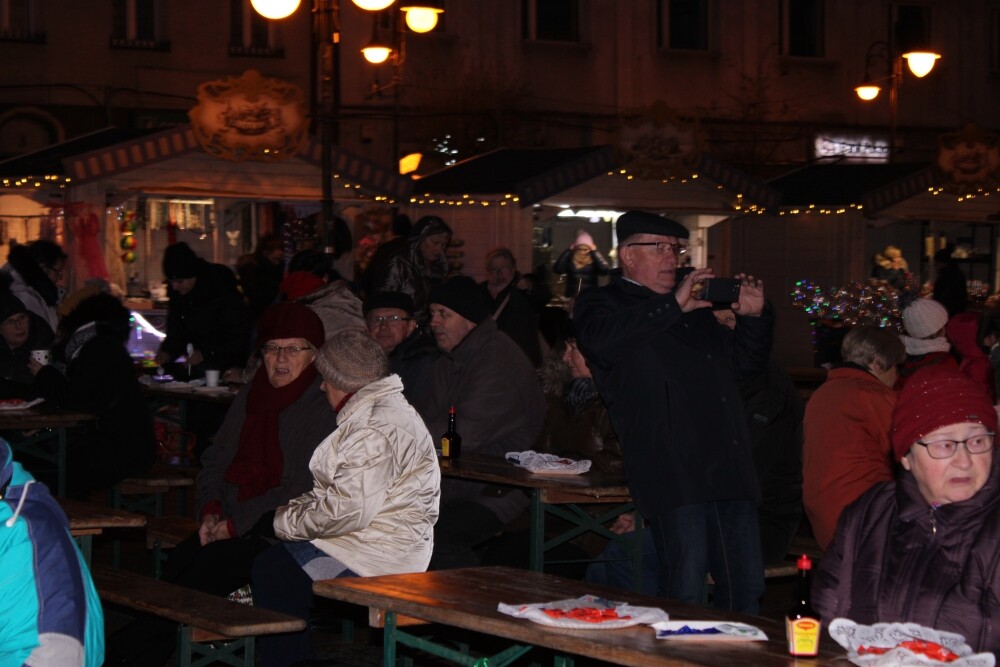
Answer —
(920, 62)
(325, 33)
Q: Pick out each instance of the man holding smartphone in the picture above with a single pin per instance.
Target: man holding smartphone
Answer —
(667, 372)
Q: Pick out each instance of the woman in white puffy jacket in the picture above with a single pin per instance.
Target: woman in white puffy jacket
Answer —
(375, 495)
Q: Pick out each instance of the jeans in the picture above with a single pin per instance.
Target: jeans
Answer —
(615, 566)
(720, 538)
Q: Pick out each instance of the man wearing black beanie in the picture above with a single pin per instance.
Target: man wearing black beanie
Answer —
(500, 408)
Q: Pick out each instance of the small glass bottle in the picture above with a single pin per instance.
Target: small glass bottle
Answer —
(451, 441)
(802, 623)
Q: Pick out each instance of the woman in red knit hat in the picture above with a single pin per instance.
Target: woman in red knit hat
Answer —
(925, 548)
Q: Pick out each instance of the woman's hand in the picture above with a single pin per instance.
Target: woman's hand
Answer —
(34, 366)
(205, 530)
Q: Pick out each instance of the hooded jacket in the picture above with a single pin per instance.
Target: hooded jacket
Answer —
(376, 487)
(30, 284)
(896, 558)
(50, 613)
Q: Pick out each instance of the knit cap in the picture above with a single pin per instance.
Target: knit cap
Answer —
(399, 300)
(934, 397)
(299, 283)
(924, 317)
(464, 296)
(351, 359)
(290, 320)
(10, 305)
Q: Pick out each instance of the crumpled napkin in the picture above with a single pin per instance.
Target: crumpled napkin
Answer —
(850, 635)
(636, 615)
(548, 463)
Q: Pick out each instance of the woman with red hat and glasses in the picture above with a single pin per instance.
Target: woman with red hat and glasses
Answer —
(925, 548)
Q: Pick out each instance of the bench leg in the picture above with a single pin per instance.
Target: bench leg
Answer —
(195, 654)
(393, 636)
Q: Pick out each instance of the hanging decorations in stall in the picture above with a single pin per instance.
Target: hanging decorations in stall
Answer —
(86, 228)
(127, 226)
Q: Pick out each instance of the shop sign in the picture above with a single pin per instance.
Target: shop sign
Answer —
(853, 148)
(250, 118)
(969, 160)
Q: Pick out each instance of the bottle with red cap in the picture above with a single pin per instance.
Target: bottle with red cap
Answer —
(802, 623)
(451, 441)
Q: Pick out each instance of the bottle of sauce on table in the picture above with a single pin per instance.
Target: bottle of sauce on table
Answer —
(451, 441)
(802, 623)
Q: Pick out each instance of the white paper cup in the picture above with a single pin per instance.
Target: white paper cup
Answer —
(41, 356)
(211, 378)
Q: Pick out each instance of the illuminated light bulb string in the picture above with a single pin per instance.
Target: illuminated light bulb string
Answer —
(871, 303)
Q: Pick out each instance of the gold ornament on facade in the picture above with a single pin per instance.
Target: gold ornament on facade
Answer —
(250, 118)
(657, 142)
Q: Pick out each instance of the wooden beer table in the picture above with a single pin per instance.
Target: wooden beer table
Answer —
(87, 520)
(44, 436)
(562, 496)
(468, 599)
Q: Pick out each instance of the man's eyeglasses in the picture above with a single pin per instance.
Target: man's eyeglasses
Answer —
(386, 319)
(662, 247)
(945, 449)
(271, 350)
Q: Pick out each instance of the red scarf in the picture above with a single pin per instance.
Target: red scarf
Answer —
(259, 461)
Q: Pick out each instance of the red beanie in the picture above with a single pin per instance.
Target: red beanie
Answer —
(299, 283)
(290, 320)
(935, 397)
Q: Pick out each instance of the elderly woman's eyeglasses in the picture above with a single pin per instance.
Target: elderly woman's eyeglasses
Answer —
(271, 350)
(945, 449)
(662, 247)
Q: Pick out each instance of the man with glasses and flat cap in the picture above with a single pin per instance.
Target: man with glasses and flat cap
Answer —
(390, 321)
(667, 372)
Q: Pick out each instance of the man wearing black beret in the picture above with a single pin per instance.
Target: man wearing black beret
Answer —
(666, 371)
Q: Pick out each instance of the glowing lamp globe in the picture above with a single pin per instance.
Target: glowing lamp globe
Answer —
(868, 91)
(421, 19)
(373, 5)
(921, 62)
(376, 53)
(275, 9)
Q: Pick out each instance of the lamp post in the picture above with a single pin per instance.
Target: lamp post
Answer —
(421, 16)
(920, 62)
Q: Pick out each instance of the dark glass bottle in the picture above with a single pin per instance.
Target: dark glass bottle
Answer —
(802, 623)
(451, 441)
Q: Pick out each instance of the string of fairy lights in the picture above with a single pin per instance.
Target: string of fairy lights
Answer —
(740, 204)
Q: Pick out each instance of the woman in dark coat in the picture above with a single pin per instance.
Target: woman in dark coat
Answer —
(926, 548)
(582, 264)
(92, 372)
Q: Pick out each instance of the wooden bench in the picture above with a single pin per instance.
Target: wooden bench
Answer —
(211, 627)
(147, 493)
(166, 532)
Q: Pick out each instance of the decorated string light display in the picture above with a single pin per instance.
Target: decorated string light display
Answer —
(853, 304)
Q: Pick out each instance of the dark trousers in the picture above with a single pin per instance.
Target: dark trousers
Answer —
(719, 537)
(219, 568)
(460, 527)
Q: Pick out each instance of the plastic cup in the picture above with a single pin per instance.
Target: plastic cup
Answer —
(211, 378)
(41, 356)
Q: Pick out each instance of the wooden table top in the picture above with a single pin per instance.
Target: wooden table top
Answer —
(220, 395)
(89, 516)
(592, 485)
(41, 417)
(468, 599)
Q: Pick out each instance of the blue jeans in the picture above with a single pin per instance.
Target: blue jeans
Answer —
(720, 538)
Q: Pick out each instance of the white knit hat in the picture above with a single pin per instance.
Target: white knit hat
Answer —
(924, 318)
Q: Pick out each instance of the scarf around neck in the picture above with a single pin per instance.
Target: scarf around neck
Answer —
(259, 462)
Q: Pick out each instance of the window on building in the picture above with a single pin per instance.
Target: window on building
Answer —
(550, 20)
(17, 21)
(803, 28)
(250, 34)
(682, 24)
(136, 24)
(910, 27)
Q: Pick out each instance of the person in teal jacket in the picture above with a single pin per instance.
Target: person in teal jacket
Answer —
(50, 614)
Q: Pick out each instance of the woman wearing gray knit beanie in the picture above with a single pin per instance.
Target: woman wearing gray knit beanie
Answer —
(374, 501)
